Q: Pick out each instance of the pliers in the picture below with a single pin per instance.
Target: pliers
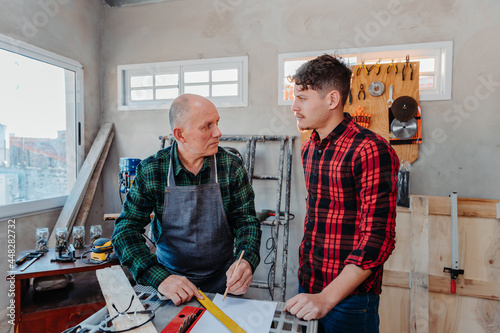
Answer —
(392, 64)
(361, 67)
(361, 87)
(407, 65)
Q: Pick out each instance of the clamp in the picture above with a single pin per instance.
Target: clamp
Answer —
(361, 87)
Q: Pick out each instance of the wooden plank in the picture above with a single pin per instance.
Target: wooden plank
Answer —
(419, 274)
(467, 207)
(70, 209)
(81, 218)
(117, 290)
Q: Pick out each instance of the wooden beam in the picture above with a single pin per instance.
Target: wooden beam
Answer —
(485, 208)
(419, 274)
(81, 218)
(117, 290)
(441, 284)
(75, 198)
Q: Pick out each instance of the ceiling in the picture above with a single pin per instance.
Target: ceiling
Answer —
(120, 3)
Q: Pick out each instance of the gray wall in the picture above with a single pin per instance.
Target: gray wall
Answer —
(71, 29)
(462, 145)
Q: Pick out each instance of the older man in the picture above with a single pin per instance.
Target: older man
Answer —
(204, 209)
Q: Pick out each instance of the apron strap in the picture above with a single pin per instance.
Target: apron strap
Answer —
(213, 169)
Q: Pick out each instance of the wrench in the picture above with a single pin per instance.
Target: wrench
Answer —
(390, 100)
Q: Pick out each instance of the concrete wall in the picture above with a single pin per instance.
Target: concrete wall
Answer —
(462, 145)
(71, 29)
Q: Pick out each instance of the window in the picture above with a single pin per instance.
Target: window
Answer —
(40, 114)
(435, 66)
(155, 85)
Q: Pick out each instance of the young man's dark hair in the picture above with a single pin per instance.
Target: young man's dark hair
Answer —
(324, 74)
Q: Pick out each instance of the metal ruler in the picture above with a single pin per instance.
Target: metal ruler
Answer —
(221, 316)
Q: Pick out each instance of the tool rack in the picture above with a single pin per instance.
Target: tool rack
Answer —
(284, 162)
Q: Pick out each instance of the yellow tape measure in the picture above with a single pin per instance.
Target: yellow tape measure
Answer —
(221, 316)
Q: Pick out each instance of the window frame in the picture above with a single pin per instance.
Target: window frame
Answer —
(124, 72)
(442, 51)
(10, 44)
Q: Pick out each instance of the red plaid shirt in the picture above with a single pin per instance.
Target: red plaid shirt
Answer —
(351, 180)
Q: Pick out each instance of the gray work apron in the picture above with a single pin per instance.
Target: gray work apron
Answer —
(196, 240)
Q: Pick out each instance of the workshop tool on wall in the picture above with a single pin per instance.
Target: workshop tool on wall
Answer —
(404, 130)
(454, 270)
(403, 198)
(363, 66)
(407, 65)
(362, 118)
(392, 65)
(350, 96)
(404, 108)
(185, 320)
(361, 92)
(127, 173)
(33, 256)
(377, 66)
(221, 316)
(66, 254)
(390, 100)
(376, 88)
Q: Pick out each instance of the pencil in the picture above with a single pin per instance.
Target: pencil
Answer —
(235, 268)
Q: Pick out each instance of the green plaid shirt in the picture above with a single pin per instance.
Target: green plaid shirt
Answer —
(147, 195)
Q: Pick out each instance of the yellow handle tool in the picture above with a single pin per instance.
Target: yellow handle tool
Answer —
(221, 316)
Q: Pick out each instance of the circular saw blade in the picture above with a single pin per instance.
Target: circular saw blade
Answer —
(404, 108)
(404, 129)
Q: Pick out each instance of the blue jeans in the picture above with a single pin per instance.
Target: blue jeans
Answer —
(357, 314)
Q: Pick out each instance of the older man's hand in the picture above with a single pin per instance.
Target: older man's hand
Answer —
(178, 289)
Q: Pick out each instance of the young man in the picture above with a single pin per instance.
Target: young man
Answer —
(351, 180)
(204, 208)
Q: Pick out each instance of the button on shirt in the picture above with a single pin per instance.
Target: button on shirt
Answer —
(147, 194)
(351, 179)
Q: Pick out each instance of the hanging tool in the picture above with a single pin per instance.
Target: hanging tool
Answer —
(390, 100)
(454, 269)
(392, 64)
(404, 130)
(376, 88)
(221, 316)
(361, 87)
(377, 65)
(404, 108)
(34, 256)
(361, 67)
(405, 66)
(350, 97)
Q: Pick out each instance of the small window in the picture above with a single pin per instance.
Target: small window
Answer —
(435, 66)
(155, 85)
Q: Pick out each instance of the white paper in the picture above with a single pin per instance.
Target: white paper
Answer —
(251, 315)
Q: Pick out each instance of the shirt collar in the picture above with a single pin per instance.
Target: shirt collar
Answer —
(337, 131)
(178, 166)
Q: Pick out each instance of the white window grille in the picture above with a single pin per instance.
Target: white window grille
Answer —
(154, 86)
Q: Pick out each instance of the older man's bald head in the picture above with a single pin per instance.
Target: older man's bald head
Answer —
(181, 107)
